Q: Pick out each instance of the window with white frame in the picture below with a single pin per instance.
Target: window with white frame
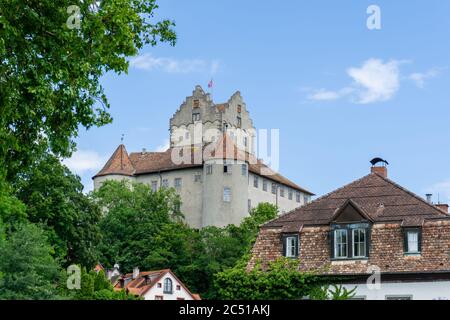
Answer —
(209, 169)
(290, 244)
(297, 197)
(282, 192)
(359, 243)
(227, 168)
(168, 287)
(412, 241)
(340, 243)
(165, 183)
(290, 194)
(227, 194)
(197, 178)
(274, 188)
(264, 185)
(154, 186)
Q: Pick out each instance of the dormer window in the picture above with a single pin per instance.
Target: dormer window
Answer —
(412, 241)
(290, 245)
(350, 241)
(340, 244)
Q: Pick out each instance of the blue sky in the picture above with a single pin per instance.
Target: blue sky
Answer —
(340, 93)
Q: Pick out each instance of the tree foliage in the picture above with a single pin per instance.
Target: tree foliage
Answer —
(279, 280)
(26, 264)
(50, 72)
(54, 197)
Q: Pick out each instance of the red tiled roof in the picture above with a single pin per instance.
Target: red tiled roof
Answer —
(119, 163)
(138, 163)
(145, 281)
(381, 199)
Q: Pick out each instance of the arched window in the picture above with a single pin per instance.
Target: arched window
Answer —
(168, 285)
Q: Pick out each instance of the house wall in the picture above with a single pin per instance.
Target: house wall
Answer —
(425, 290)
(386, 250)
(155, 291)
(258, 195)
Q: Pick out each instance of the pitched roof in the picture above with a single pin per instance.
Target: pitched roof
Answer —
(138, 163)
(379, 198)
(119, 163)
(145, 281)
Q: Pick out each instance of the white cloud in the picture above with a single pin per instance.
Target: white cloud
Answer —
(420, 78)
(163, 147)
(441, 190)
(83, 161)
(373, 81)
(148, 62)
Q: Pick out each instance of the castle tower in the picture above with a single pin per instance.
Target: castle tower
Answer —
(225, 187)
(200, 121)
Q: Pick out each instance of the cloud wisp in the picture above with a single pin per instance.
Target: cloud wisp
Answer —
(84, 161)
(148, 62)
(373, 81)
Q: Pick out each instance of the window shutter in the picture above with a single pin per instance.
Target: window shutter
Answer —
(368, 241)
(405, 241)
(284, 238)
(331, 241)
(297, 246)
(419, 238)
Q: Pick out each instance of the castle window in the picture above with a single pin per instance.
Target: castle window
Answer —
(165, 183)
(239, 108)
(255, 181)
(227, 168)
(290, 194)
(196, 103)
(154, 186)
(196, 117)
(274, 188)
(227, 194)
(209, 169)
(264, 185)
(239, 122)
(198, 178)
(282, 192)
(177, 183)
(297, 197)
(244, 169)
(290, 246)
(412, 241)
(168, 288)
(186, 135)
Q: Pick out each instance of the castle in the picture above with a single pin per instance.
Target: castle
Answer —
(211, 163)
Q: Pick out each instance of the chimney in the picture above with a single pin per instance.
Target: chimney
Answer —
(443, 207)
(382, 171)
(429, 198)
(135, 273)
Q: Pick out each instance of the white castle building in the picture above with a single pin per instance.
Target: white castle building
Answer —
(211, 163)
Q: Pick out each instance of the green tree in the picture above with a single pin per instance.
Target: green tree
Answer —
(50, 72)
(26, 264)
(136, 219)
(54, 198)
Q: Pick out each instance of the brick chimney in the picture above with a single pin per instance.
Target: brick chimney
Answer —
(443, 207)
(382, 171)
(135, 273)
